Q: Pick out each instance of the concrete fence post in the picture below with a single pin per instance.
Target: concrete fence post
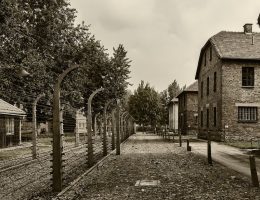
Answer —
(253, 170)
(118, 130)
(209, 152)
(34, 121)
(180, 138)
(188, 145)
(113, 128)
(90, 152)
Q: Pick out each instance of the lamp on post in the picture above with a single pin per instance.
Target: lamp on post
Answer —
(57, 139)
(89, 126)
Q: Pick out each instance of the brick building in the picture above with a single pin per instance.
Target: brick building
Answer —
(228, 74)
(173, 114)
(188, 110)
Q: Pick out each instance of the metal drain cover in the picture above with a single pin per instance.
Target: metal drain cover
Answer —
(147, 183)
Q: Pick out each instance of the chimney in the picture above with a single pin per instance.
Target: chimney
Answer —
(248, 28)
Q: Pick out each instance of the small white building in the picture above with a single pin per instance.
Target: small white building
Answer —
(173, 114)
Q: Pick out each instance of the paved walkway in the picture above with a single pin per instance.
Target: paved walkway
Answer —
(152, 168)
(231, 157)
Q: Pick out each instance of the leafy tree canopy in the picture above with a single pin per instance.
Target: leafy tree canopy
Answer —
(41, 37)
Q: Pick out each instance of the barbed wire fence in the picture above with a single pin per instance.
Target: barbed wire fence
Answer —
(69, 146)
(29, 172)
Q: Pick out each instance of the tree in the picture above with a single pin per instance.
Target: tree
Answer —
(173, 89)
(164, 117)
(41, 36)
(144, 105)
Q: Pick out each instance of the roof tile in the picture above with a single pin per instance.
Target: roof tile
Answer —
(8, 109)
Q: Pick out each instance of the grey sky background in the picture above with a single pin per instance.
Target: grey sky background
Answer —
(163, 37)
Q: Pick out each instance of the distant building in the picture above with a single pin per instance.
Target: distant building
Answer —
(74, 120)
(228, 74)
(173, 114)
(188, 110)
(10, 124)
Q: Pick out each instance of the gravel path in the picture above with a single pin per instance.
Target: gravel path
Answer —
(182, 175)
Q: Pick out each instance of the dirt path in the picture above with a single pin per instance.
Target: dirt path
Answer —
(174, 173)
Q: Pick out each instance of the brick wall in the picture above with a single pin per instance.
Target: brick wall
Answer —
(213, 99)
(188, 110)
(229, 93)
(234, 94)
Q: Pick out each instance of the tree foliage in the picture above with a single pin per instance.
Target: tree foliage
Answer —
(144, 105)
(42, 37)
(173, 89)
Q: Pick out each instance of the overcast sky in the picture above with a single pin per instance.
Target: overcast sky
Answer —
(163, 37)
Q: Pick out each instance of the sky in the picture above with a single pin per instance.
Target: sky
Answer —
(163, 38)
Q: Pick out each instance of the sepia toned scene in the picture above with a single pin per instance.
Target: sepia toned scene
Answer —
(129, 99)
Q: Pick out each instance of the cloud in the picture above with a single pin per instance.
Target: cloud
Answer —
(163, 37)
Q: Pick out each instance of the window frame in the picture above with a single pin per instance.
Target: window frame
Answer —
(208, 86)
(9, 125)
(248, 77)
(247, 114)
(215, 82)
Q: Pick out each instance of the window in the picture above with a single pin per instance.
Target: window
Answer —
(210, 53)
(201, 118)
(247, 114)
(205, 58)
(208, 86)
(207, 117)
(201, 89)
(9, 123)
(248, 76)
(215, 82)
(215, 116)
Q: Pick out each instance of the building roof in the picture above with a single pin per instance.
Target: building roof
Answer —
(233, 45)
(9, 109)
(237, 45)
(174, 100)
(191, 88)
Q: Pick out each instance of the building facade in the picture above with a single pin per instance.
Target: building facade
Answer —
(188, 110)
(10, 124)
(228, 74)
(173, 114)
